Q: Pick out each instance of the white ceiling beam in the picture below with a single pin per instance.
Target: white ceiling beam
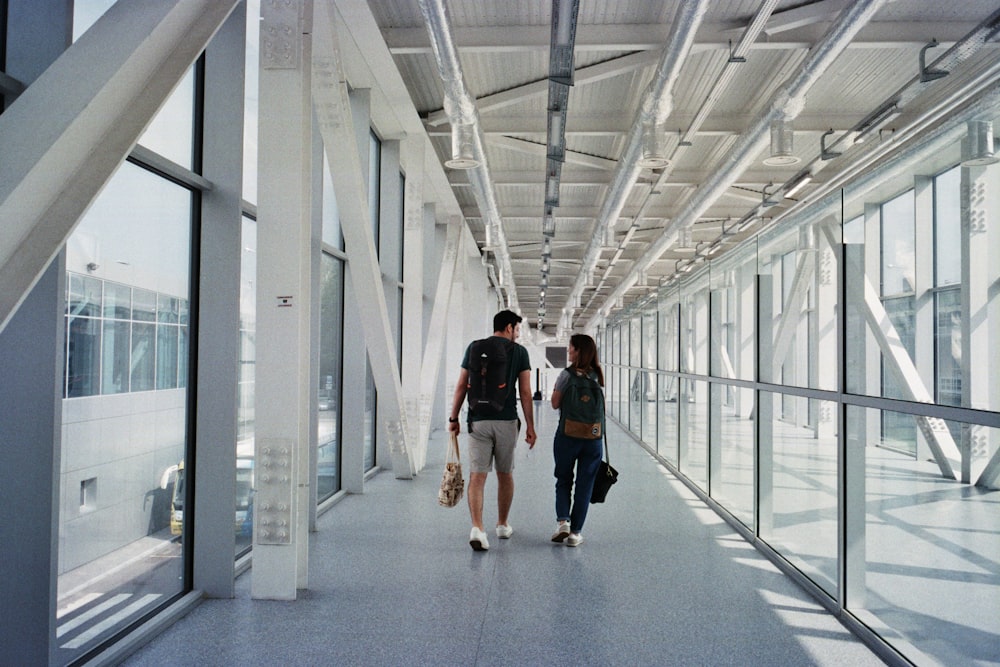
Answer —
(798, 17)
(628, 37)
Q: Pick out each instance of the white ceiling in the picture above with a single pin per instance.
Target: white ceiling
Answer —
(503, 48)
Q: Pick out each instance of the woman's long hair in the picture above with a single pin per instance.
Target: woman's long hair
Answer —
(586, 355)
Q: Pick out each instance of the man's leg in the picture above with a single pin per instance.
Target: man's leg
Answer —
(505, 495)
(477, 481)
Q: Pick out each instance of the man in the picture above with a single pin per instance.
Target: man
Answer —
(493, 432)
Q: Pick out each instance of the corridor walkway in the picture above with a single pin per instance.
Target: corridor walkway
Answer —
(659, 580)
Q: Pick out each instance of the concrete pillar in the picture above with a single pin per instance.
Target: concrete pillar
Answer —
(283, 299)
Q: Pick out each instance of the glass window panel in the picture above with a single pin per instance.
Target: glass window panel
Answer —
(694, 325)
(369, 418)
(166, 356)
(83, 356)
(135, 235)
(798, 506)
(694, 431)
(171, 132)
(144, 305)
(251, 97)
(649, 334)
(117, 301)
(330, 366)
(637, 399)
(668, 336)
(374, 183)
(84, 296)
(635, 341)
(898, 245)
(115, 360)
(929, 544)
(733, 412)
(948, 347)
(167, 309)
(666, 438)
(86, 13)
(948, 228)
(143, 356)
(332, 232)
(245, 424)
(183, 349)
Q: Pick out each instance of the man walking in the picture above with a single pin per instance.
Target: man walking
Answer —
(490, 369)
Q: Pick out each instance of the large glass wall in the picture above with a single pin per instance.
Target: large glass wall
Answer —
(834, 384)
(331, 351)
(125, 407)
(245, 394)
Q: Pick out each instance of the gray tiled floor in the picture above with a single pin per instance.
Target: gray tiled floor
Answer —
(660, 580)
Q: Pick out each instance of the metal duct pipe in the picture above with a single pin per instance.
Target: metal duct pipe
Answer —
(654, 110)
(786, 104)
(460, 108)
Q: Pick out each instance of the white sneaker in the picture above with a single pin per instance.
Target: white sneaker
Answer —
(574, 539)
(504, 531)
(562, 532)
(477, 539)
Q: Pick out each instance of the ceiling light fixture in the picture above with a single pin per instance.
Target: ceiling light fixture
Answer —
(463, 154)
(552, 191)
(654, 147)
(978, 144)
(797, 184)
(782, 138)
(548, 224)
(564, 21)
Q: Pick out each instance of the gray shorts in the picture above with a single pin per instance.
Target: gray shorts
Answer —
(491, 440)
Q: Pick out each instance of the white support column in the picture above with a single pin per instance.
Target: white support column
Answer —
(747, 305)
(455, 327)
(436, 334)
(413, 294)
(923, 288)
(716, 391)
(980, 318)
(219, 311)
(870, 373)
(355, 359)
(284, 248)
(827, 303)
(391, 230)
(765, 406)
(853, 441)
(72, 127)
(333, 111)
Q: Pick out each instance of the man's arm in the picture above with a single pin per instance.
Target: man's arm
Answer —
(456, 402)
(527, 405)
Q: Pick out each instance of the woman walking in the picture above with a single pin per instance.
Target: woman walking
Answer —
(583, 454)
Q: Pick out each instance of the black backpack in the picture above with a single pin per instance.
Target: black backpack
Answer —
(581, 410)
(489, 381)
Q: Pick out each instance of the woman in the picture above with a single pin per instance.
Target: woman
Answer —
(569, 452)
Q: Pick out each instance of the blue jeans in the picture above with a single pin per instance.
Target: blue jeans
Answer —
(585, 456)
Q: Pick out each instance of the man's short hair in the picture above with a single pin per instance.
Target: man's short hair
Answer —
(505, 317)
